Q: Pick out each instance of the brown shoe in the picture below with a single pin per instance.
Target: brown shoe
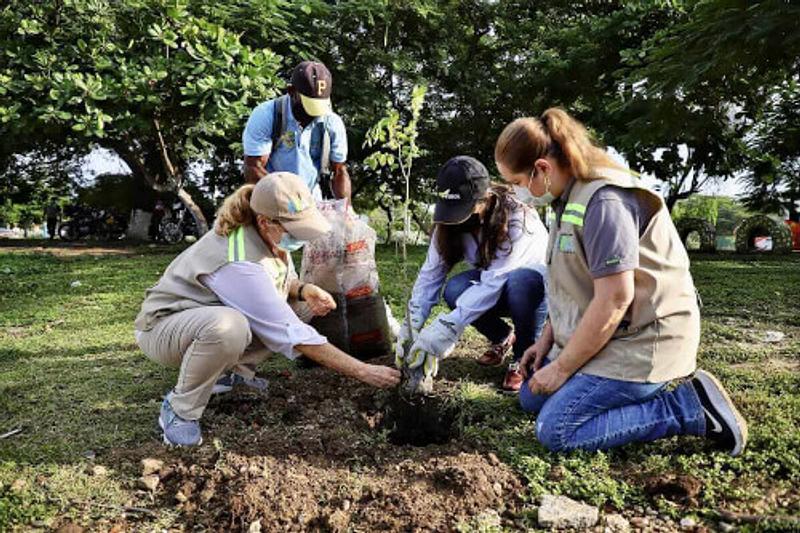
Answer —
(513, 380)
(494, 356)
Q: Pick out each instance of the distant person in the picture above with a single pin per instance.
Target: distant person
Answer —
(504, 243)
(159, 212)
(221, 306)
(624, 319)
(299, 133)
(52, 216)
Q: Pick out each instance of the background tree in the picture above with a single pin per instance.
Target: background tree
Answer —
(151, 80)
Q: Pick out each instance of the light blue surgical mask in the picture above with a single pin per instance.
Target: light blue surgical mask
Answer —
(290, 244)
(526, 196)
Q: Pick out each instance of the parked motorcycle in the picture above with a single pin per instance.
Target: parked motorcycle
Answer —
(177, 224)
(86, 222)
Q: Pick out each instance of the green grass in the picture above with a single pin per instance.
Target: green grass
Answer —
(72, 378)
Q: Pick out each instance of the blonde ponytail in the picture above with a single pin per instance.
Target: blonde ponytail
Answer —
(554, 134)
(235, 211)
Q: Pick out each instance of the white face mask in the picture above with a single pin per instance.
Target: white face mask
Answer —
(527, 197)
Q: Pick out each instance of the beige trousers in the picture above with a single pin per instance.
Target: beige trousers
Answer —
(204, 343)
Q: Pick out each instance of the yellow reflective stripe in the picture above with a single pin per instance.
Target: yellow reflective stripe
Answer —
(572, 219)
(231, 256)
(578, 208)
(240, 243)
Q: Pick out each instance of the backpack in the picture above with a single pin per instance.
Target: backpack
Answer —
(279, 112)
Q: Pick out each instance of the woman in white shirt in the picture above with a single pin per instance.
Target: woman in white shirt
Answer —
(504, 242)
(221, 306)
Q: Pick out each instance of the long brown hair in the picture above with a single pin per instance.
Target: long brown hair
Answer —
(495, 226)
(235, 211)
(554, 134)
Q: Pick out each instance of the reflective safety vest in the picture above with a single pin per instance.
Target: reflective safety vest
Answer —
(658, 338)
(180, 288)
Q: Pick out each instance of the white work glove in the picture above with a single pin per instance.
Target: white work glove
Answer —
(408, 333)
(432, 344)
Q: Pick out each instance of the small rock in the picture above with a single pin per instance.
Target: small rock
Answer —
(346, 504)
(652, 512)
(617, 523)
(563, 512)
(18, 485)
(181, 497)
(255, 527)
(498, 488)
(151, 466)
(149, 482)
(89, 454)
(639, 522)
(493, 460)
(687, 523)
(75, 284)
(773, 336)
(726, 527)
(99, 471)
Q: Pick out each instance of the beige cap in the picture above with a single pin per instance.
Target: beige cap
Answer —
(284, 197)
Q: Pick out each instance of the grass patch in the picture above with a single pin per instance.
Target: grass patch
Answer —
(72, 378)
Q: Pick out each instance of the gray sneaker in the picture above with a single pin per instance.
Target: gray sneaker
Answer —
(178, 431)
(227, 382)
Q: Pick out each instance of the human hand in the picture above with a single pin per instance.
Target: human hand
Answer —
(379, 376)
(534, 356)
(548, 379)
(319, 301)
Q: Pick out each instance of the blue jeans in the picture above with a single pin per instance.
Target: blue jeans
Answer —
(594, 413)
(523, 300)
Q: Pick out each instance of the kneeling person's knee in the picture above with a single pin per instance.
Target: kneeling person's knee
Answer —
(548, 430)
(230, 329)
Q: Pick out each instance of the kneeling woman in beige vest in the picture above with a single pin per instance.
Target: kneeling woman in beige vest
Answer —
(221, 306)
(623, 313)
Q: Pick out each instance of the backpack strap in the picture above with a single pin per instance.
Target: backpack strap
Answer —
(279, 120)
(325, 158)
(325, 181)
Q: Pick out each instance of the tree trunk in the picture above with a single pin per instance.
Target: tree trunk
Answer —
(136, 162)
(194, 209)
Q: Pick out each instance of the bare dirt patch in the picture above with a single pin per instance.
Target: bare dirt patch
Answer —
(318, 454)
(63, 249)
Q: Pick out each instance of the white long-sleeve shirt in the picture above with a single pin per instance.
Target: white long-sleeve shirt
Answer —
(528, 247)
(246, 287)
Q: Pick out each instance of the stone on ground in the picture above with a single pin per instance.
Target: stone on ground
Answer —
(617, 523)
(563, 512)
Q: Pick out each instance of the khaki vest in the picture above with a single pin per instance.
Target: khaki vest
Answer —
(180, 288)
(659, 336)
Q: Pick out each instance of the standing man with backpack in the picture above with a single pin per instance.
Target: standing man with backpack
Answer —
(299, 133)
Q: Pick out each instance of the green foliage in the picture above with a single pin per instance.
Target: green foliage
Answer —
(396, 137)
(17, 508)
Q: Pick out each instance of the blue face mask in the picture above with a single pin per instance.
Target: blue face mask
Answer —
(289, 243)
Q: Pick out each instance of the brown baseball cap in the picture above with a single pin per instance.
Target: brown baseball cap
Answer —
(284, 198)
(314, 83)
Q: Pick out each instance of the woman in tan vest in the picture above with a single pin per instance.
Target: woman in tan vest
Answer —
(623, 316)
(221, 306)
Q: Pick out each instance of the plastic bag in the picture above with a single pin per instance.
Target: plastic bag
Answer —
(343, 263)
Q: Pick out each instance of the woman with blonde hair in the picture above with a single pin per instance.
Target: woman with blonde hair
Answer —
(623, 313)
(221, 306)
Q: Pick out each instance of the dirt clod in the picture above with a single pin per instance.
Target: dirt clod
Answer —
(149, 482)
(151, 466)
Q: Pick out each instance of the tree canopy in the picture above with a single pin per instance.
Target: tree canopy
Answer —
(687, 90)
